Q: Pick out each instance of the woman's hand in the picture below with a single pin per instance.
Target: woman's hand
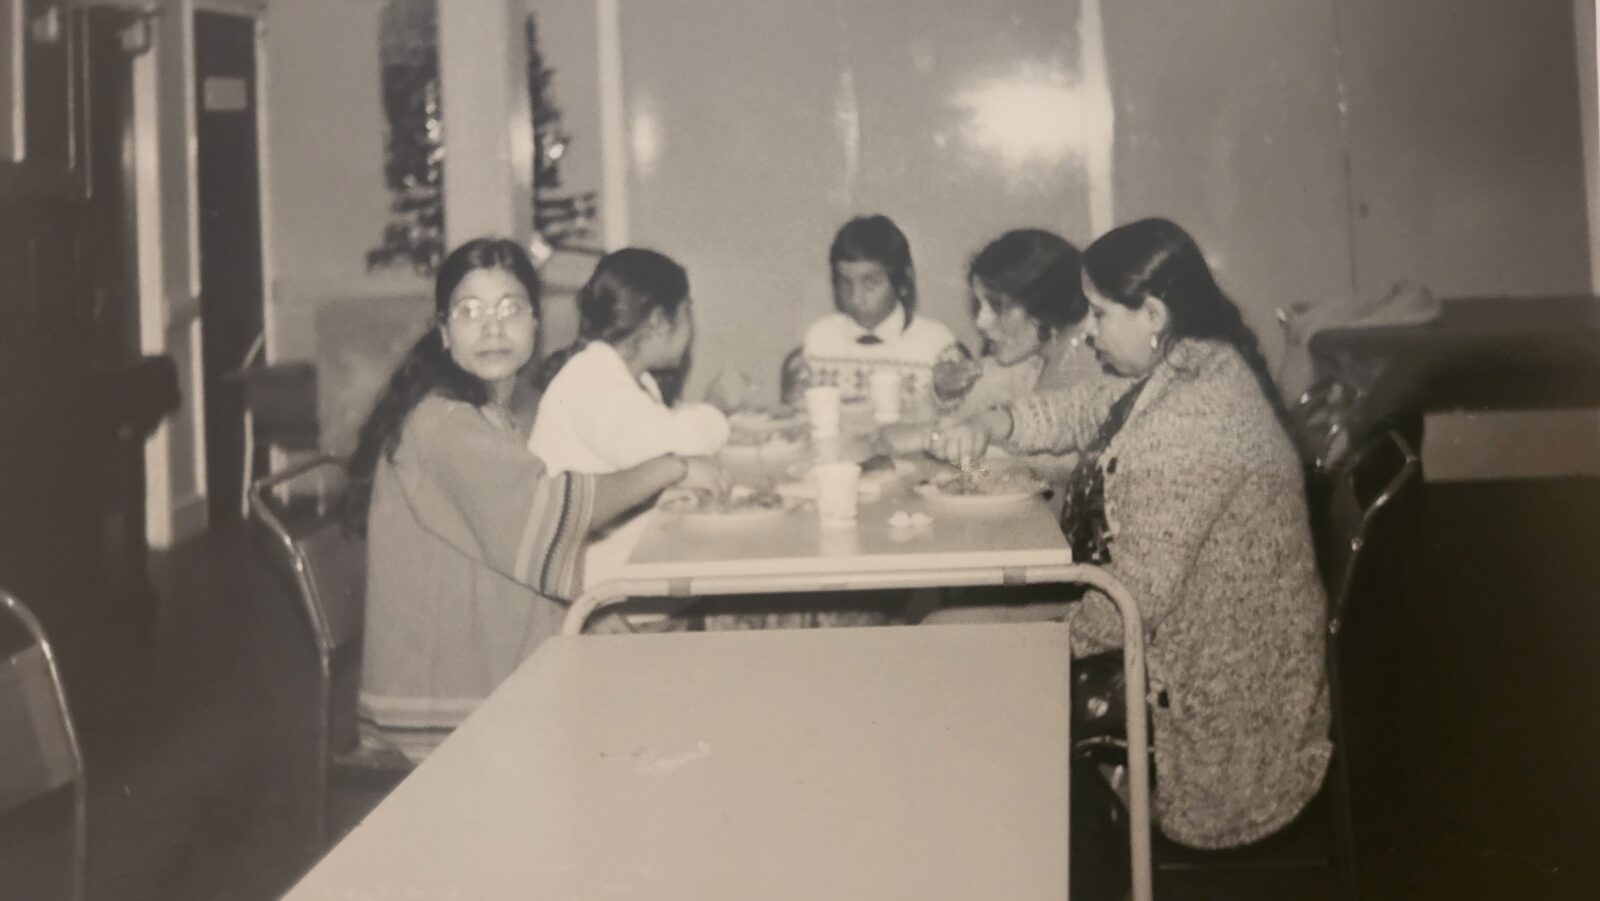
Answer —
(965, 442)
(953, 378)
(730, 390)
(705, 474)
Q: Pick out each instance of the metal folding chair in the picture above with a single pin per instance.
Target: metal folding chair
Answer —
(40, 752)
(328, 568)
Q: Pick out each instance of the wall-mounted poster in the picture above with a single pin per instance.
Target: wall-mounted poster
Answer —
(11, 68)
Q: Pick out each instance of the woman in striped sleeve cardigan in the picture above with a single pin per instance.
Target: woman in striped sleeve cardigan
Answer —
(472, 545)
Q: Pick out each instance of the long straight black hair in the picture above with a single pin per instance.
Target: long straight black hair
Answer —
(1157, 258)
(626, 287)
(427, 369)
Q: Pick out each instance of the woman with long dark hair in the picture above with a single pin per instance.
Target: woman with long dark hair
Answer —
(473, 546)
(1190, 492)
(604, 408)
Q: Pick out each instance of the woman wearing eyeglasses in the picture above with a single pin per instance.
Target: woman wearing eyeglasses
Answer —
(473, 544)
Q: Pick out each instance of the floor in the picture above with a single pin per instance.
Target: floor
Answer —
(1472, 703)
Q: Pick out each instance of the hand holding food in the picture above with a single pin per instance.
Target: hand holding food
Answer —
(703, 474)
(730, 390)
(953, 378)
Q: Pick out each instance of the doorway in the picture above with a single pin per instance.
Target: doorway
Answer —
(71, 494)
(231, 279)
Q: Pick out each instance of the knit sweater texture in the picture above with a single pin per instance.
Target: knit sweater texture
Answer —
(1205, 497)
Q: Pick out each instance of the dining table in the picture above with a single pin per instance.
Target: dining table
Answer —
(889, 762)
(870, 763)
(904, 536)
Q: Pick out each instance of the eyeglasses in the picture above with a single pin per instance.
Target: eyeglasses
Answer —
(473, 311)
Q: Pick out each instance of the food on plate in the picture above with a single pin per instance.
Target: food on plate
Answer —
(793, 436)
(760, 419)
(983, 483)
(903, 520)
(739, 499)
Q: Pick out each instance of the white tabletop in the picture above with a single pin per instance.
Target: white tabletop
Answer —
(883, 763)
(1016, 535)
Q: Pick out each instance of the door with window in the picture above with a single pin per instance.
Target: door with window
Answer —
(229, 179)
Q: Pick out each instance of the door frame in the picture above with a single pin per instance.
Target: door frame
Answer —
(1586, 14)
(255, 11)
(162, 508)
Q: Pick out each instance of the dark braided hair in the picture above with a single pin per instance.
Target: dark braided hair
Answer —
(427, 369)
(626, 287)
(1157, 258)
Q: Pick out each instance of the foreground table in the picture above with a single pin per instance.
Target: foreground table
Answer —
(880, 763)
(1013, 544)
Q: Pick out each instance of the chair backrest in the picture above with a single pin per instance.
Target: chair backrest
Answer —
(40, 744)
(328, 565)
(1365, 482)
(791, 377)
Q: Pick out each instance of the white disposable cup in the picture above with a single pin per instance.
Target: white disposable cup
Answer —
(823, 405)
(837, 487)
(884, 387)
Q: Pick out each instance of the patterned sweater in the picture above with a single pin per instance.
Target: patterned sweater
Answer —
(1206, 502)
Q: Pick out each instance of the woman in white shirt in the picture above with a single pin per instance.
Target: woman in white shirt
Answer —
(876, 327)
(602, 409)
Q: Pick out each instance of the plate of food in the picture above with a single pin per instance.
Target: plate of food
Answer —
(980, 489)
(740, 506)
(770, 442)
(766, 419)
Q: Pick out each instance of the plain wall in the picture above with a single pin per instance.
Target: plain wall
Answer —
(756, 130)
(1228, 123)
(326, 200)
(1466, 146)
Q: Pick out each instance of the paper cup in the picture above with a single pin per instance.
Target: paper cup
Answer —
(884, 388)
(823, 405)
(837, 487)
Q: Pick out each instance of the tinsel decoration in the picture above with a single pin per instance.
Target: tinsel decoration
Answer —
(563, 220)
(415, 152)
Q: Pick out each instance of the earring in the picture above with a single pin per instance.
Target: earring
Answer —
(1155, 342)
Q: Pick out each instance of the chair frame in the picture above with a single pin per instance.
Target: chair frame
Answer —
(261, 509)
(80, 785)
(1345, 489)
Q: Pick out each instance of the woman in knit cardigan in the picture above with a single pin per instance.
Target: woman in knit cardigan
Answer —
(1190, 492)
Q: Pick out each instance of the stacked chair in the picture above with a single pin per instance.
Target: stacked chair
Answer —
(39, 751)
(326, 566)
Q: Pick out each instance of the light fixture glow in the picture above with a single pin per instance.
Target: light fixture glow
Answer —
(1029, 117)
(644, 136)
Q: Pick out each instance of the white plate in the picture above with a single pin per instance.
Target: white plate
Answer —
(768, 450)
(765, 420)
(676, 503)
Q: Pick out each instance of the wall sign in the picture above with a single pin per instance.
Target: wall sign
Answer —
(224, 94)
(12, 104)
